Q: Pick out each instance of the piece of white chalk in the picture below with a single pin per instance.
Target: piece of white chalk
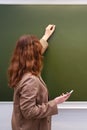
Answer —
(71, 91)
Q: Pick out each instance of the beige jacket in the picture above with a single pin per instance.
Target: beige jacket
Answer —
(31, 108)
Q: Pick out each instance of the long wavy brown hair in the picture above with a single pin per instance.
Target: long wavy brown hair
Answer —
(26, 58)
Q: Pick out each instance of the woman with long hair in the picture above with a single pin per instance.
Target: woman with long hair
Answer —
(31, 108)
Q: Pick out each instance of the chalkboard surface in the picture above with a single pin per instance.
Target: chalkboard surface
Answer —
(65, 61)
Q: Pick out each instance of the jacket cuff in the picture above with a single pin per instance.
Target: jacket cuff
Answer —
(44, 45)
(53, 105)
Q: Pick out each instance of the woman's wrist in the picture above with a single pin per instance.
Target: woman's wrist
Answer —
(45, 37)
(56, 101)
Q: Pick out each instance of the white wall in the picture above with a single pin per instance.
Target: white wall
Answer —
(43, 1)
(72, 116)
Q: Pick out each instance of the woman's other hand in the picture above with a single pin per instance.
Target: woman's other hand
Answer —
(62, 98)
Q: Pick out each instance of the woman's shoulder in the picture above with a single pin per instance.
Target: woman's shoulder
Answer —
(28, 77)
(27, 80)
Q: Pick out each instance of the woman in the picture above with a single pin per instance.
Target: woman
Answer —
(31, 108)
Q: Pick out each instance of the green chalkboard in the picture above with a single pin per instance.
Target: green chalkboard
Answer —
(65, 62)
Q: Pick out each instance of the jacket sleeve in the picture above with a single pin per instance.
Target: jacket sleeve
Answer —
(29, 108)
(44, 45)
